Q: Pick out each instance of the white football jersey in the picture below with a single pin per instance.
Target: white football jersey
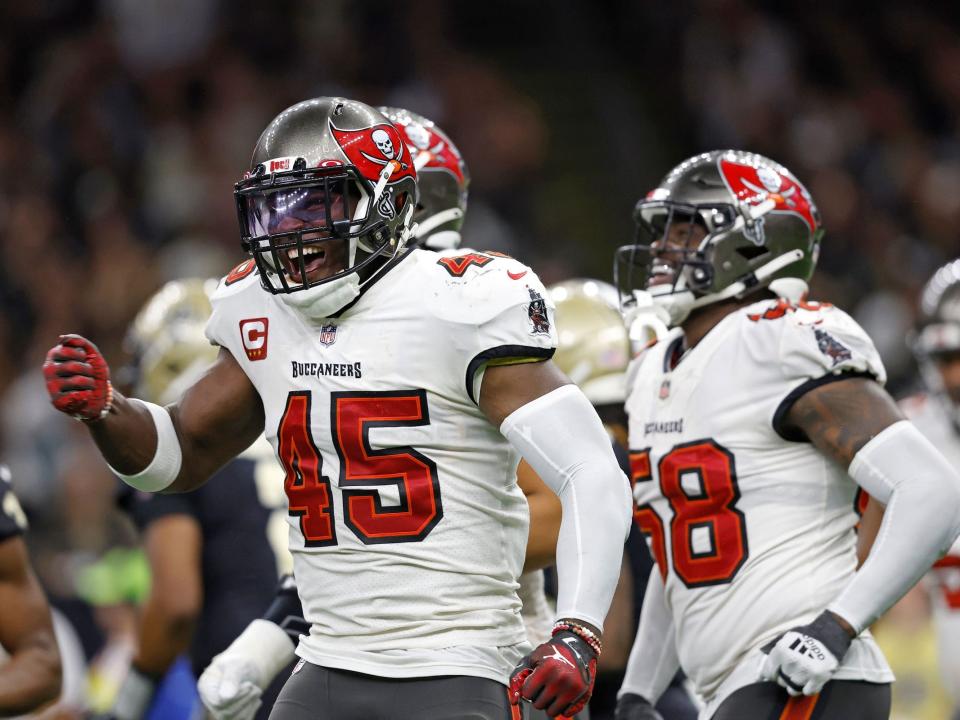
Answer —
(407, 527)
(536, 610)
(934, 418)
(752, 528)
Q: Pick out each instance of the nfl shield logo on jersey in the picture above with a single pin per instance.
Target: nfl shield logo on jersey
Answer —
(328, 335)
(664, 390)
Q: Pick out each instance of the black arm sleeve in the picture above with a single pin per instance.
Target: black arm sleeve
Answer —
(286, 611)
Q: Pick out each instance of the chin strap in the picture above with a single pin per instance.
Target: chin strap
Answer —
(438, 219)
(679, 305)
(750, 281)
(408, 230)
(385, 174)
(647, 321)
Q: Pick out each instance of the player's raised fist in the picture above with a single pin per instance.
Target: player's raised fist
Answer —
(557, 676)
(78, 378)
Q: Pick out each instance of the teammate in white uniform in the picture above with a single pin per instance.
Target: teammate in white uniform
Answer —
(937, 416)
(752, 421)
(398, 389)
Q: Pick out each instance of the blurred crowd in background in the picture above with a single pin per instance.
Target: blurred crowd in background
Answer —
(125, 123)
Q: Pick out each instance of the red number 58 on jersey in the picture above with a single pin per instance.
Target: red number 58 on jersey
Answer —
(707, 517)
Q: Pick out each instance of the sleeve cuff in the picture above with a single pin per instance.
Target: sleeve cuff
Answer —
(783, 409)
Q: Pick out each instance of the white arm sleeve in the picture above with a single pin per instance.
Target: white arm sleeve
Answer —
(903, 470)
(560, 435)
(653, 660)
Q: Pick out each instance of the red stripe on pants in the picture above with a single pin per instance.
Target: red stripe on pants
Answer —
(515, 713)
(799, 708)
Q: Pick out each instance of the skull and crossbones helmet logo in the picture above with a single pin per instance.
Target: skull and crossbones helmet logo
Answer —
(384, 143)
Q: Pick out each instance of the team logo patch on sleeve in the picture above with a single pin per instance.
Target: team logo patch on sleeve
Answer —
(537, 312)
(831, 347)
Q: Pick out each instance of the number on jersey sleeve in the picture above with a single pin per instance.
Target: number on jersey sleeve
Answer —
(705, 514)
(353, 414)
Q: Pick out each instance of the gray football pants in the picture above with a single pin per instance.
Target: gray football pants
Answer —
(839, 700)
(318, 693)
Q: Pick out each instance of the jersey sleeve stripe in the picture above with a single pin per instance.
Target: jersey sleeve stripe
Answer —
(504, 355)
(780, 415)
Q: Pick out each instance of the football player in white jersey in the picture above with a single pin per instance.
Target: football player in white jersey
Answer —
(752, 422)
(232, 684)
(398, 388)
(937, 415)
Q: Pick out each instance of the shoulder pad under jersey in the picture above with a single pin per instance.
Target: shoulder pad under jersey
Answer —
(240, 278)
(818, 339)
(471, 287)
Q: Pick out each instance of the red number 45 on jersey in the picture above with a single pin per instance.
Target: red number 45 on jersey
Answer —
(413, 474)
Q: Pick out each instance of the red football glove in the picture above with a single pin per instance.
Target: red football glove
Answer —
(78, 378)
(557, 676)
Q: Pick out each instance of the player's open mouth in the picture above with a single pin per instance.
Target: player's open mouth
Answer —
(317, 261)
(663, 273)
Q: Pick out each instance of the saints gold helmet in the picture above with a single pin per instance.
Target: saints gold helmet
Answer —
(593, 348)
(167, 342)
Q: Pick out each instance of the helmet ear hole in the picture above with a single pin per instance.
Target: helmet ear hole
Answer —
(750, 252)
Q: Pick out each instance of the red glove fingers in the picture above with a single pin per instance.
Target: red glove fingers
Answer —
(78, 378)
(557, 676)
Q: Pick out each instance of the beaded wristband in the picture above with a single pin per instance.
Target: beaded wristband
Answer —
(584, 633)
(107, 407)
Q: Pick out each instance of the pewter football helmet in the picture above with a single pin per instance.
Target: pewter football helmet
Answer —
(937, 337)
(442, 176)
(325, 169)
(722, 224)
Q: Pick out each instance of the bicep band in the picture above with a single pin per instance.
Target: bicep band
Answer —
(165, 466)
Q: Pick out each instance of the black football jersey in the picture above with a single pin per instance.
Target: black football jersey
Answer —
(12, 520)
(238, 563)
